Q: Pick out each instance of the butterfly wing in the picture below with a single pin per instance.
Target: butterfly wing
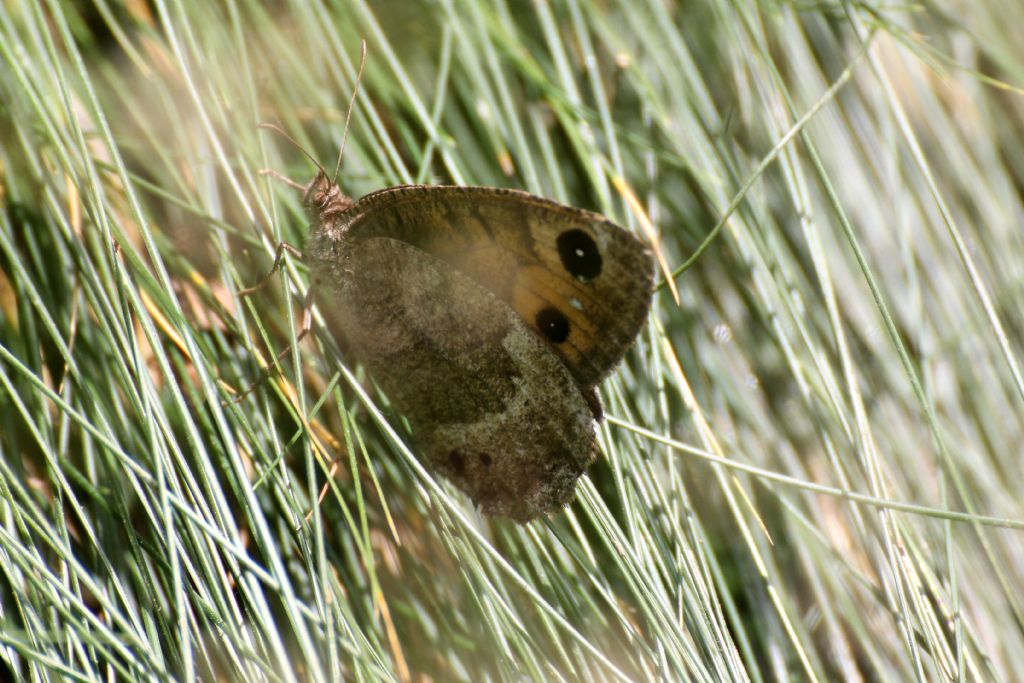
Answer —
(490, 405)
(578, 279)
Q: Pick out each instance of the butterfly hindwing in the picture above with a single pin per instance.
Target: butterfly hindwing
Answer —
(490, 405)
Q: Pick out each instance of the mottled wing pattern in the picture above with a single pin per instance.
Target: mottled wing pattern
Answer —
(492, 408)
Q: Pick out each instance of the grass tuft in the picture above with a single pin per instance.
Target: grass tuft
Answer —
(810, 457)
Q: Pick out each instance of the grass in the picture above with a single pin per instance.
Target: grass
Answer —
(811, 458)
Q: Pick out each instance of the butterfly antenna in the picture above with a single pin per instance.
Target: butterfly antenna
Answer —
(351, 105)
(280, 131)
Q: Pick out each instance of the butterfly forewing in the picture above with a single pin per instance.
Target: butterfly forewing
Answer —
(576, 278)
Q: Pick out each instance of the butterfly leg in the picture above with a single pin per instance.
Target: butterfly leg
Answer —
(283, 178)
(307, 324)
(282, 247)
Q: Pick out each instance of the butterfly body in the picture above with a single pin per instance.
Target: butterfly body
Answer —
(487, 316)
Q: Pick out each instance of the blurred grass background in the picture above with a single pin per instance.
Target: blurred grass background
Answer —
(812, 459)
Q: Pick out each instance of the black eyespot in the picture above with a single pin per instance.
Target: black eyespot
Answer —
(485, 459)
(580, 255)
(553, 324)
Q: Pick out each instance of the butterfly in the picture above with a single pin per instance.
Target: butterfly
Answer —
(488, 317)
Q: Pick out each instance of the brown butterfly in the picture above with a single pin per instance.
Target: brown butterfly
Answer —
(488, 317)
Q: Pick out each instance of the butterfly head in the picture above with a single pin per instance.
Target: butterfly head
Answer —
(324, 196)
